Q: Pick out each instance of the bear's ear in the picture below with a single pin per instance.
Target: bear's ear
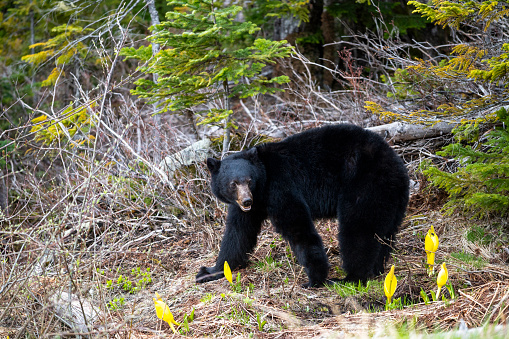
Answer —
(252, 154)
(213, 165)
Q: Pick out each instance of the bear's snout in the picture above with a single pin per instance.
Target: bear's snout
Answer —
(244, 197)
(247, 202)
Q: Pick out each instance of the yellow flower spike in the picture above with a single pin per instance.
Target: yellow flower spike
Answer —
(163, 312)
(228, 272)
(442, 277)
(390, 285)
(430, 246)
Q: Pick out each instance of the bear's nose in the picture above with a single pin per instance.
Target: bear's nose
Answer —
(247, 202)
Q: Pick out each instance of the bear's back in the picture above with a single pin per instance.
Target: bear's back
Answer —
(331, 149)
(319, 164)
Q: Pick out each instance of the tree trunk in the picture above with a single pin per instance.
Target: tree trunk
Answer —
(226, 139)
(4, 201)
(330, 54)
(154, 18)
(32, 51)
(190, 117)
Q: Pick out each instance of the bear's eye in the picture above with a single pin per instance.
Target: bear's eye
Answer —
(233, 184)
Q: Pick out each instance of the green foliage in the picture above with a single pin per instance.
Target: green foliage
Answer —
(237, 314)
(451, 290)
(469, 259)
(61, 46)
(424, 297)
(399, 303)
(427, 300)
(202, 59)
(116, 304)
(133, 283)
(357, 289)
(433, 295)
(15, 17)
(498, 68)
(262, 12)
(72, 125)
(481, 182)
(478, 234)
(184, 325)
(402, 82)
(6, 148)
(207, 298)
(307, 38)
(72, 41)
(237, 286)
(261, 323)
(454, 81)
(454, 14)
(268, 264)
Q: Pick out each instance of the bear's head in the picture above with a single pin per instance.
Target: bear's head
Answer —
(238, 178)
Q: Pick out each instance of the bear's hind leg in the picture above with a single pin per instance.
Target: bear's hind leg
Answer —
(369, 213)
(361, 254)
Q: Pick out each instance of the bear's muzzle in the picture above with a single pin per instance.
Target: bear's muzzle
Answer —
(244, 197)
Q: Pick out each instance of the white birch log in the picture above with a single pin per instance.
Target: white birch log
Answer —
(197, 152)
(398, 131)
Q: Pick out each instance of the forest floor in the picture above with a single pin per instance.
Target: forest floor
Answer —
(267, 301)
(106, 248)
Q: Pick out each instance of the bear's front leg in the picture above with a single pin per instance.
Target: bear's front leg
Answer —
(296, 225)
(239, 240)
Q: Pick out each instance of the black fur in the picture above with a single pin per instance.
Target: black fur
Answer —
(338, 171)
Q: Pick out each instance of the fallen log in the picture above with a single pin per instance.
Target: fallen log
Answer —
(398, 131)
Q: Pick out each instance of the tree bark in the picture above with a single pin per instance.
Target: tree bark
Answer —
(32, 51)
(330, 54)
(4, 200)
(154, 18)
(226, 139)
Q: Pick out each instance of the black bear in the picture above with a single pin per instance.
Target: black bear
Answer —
(341, 171)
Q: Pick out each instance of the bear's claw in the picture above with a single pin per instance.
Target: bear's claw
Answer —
(206, 274)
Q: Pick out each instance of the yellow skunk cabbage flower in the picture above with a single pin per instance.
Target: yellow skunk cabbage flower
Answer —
(431, 246)
(228, 272)
(163, 312)
(442, 277)
(390, 285)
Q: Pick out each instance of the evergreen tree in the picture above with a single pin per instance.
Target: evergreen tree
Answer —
(481, 182)
(468, 88)
(206, 55)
